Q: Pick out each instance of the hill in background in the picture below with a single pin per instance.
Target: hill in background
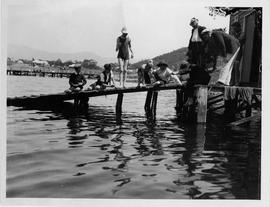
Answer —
(24, 52)
(173, 58)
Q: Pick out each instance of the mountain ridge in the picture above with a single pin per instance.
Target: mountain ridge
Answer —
(173, 58)
(25, 52)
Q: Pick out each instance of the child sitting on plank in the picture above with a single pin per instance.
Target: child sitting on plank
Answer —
(76, 80)
(105, 79)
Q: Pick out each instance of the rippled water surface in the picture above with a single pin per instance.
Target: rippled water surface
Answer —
(58, 152)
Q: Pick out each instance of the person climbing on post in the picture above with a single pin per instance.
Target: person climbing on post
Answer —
(123, 47)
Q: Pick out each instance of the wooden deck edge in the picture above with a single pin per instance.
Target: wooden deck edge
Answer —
(244, 120)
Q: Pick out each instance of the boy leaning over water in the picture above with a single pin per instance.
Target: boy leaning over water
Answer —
(164, 75)
(76, 80)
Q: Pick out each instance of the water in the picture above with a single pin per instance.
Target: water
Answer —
(59, 153)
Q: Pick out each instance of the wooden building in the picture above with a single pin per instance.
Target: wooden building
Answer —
(250, 20)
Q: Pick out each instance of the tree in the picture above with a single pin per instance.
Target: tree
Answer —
(58, 62)
(90, 64)
(68, 62)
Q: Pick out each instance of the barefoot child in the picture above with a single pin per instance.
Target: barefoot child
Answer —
(123, 47)
(164, 75)
(105, 79)
(76, 80)
(145, 73)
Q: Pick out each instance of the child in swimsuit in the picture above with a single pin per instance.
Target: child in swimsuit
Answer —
(105, 79)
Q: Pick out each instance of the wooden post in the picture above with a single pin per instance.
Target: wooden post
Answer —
(119, 103)
(179, 100)
(154, 101)
(201, 96)
(148, 100)
(248, 110)
(230, 109)
(119, 108)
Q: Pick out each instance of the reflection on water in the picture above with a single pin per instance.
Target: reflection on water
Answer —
(61, 152)
(90, 155)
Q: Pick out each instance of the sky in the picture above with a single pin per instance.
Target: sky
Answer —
(155, 27)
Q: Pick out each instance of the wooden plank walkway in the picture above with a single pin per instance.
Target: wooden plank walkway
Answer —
(60, 97)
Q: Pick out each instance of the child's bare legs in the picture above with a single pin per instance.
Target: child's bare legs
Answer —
(125, 72)
(121, 71)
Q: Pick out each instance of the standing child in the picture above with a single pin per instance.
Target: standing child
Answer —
(123, 46)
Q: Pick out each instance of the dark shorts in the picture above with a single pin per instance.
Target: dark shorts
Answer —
(123, 56)
(196, 53)
(147, 79)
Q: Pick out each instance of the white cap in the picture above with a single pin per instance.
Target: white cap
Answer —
(124, 30)
(206, 30)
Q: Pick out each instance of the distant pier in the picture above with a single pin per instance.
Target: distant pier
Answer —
(54, 74)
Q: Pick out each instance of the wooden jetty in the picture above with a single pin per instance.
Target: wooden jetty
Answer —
(203, 102)
(54, 74)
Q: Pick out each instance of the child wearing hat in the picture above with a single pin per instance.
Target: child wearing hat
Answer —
(105, 79)
(145, 73)
(123, 47)
(76, 80)
(164, 75)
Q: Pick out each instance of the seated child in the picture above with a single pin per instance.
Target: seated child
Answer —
(76, 80)
(145, 73)
(104, 80)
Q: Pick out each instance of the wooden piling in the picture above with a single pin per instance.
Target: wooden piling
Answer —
(230, 109)
(179, 100)
(201, 96)
(248, 110)
(154, 101)
(148, 100)
(119, 103)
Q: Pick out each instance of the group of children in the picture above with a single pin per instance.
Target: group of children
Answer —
(77, 79)
(147, 75)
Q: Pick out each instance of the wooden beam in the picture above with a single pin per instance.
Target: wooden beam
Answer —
(119, 103)
(201, 96)
(179, 99)
(148, 100)
(244, 120)
(214, 109)
(214, 97)
(215, 101)
(256, 91)
(154, 101)
(20, 101)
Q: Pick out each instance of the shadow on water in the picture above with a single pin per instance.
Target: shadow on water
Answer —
(212, 161)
